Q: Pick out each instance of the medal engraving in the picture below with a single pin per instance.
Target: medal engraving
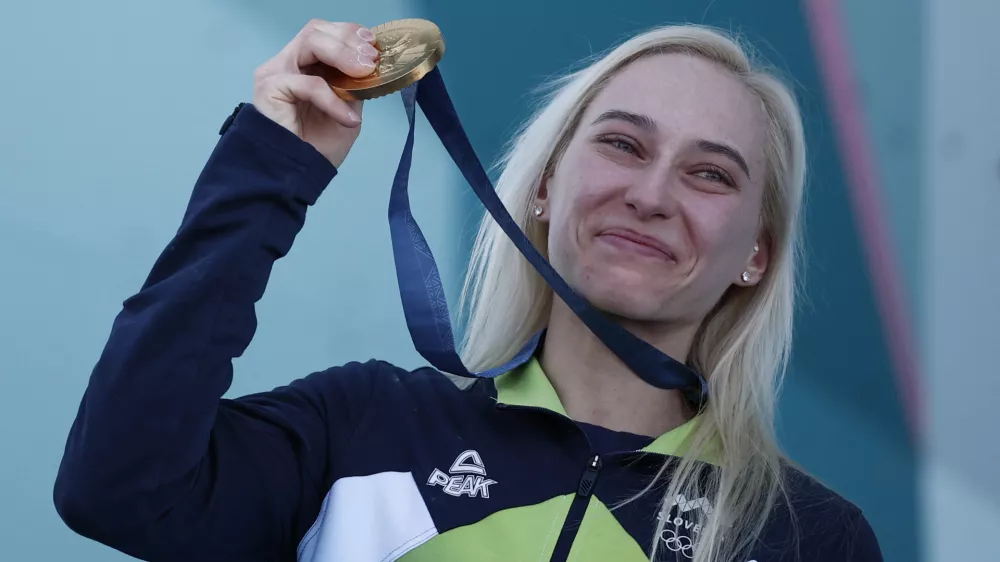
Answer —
(408, 50)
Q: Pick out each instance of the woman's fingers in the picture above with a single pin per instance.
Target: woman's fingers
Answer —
(296, 88)
(347, 47)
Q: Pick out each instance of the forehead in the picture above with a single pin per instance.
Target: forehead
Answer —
(690, 98)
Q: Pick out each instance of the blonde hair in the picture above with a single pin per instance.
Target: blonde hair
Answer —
(743, 345)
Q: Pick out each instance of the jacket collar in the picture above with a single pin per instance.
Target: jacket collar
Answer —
(528, 385)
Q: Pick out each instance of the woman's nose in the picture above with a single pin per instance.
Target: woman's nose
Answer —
(654, 196)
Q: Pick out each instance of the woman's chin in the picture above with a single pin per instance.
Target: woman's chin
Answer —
(632, 301)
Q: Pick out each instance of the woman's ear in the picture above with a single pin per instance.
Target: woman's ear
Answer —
(539, 207)
(757, 262)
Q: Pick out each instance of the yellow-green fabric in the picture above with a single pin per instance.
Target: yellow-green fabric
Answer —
(529, 534)
(528, 385)
(601, 537)
(520, 534)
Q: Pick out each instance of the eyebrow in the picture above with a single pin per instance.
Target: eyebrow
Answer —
(647, 124)
(727, 151)
(644, 122)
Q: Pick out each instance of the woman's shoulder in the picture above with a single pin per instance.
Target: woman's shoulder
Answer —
(386, 382)
(822, 523)
(807, 492)
(421, 378)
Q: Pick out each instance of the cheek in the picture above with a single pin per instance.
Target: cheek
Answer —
(573, 207)
(565, 220)
(720, 230)
(592, 188)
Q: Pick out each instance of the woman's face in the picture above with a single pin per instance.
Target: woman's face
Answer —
(654, 208)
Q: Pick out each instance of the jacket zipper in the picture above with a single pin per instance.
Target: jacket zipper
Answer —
(577, 510)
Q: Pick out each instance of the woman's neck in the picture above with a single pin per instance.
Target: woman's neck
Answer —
(595, 387)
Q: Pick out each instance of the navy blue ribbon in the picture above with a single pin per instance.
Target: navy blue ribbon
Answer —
(424, 303)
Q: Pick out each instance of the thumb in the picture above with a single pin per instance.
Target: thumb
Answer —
(356, 106)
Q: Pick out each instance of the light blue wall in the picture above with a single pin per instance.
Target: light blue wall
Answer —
(960, 304)
(110, 110)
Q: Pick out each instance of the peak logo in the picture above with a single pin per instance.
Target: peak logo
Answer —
(466, 477)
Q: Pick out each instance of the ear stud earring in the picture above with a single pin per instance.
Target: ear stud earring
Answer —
(538, 210)
(755, 247)
(745, 276)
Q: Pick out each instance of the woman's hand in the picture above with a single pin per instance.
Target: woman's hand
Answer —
(303, 103)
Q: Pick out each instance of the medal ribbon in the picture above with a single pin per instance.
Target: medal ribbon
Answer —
(420, 288)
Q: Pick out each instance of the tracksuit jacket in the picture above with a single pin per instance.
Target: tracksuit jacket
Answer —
(364, 462)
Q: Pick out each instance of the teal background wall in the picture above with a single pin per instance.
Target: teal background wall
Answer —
(891, 79)
(115, 106)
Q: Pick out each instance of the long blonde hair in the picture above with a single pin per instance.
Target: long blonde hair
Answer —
(742, 347)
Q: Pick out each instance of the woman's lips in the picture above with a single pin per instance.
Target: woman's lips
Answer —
(634, 242)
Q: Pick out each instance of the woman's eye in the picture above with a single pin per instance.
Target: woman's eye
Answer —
(621, 144)
(717, 176)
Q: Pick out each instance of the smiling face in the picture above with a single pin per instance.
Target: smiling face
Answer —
(654, 207)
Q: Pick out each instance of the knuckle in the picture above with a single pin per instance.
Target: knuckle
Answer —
(266, 83)
(306, 82)
(319, 86)
(338, 49)
(313, 38)
(329, 47)
(314, 25)
(261, 73)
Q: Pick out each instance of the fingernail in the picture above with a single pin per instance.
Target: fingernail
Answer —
(365, 61)
(366, 34)
(367, 50)
(353, 116)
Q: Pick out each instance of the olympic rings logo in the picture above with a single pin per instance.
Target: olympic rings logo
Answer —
(677, 543)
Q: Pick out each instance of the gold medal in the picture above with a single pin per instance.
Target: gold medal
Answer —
(408, 50)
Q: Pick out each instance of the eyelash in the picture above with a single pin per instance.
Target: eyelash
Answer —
(723, 176)
(616, 140)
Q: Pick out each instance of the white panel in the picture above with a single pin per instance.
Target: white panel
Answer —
(376, 518)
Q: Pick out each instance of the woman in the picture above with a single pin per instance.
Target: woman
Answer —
(663, 182)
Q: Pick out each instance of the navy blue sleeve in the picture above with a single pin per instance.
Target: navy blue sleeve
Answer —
(157, 464)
